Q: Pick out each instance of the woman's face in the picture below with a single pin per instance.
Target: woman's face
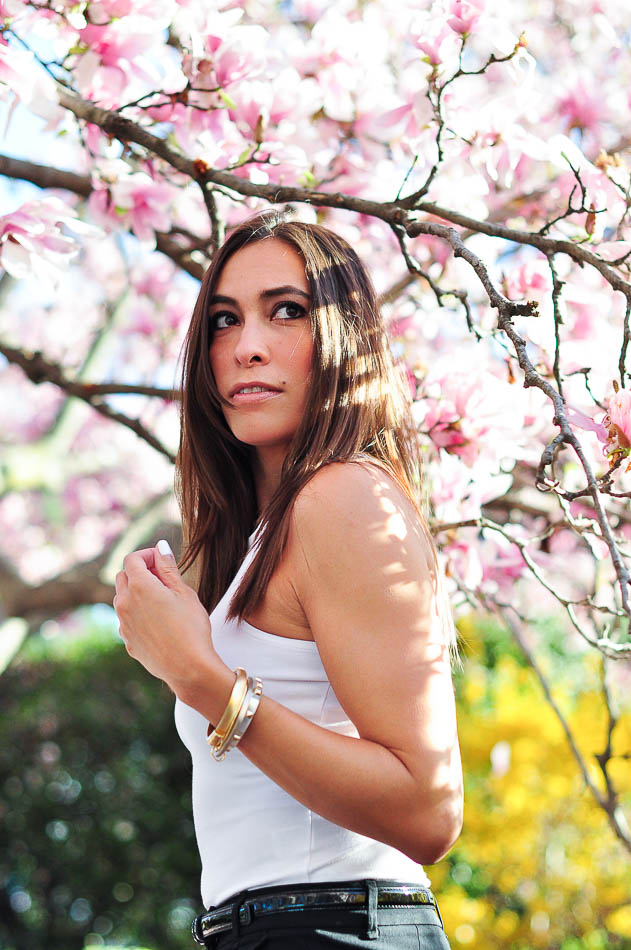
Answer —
(261, 351)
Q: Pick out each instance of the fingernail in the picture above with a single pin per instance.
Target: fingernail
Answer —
(164, 548)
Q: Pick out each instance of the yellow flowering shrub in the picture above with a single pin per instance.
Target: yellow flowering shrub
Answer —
(538, 864)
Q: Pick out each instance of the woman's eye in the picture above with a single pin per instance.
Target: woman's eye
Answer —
(289, 311)
(222, 320)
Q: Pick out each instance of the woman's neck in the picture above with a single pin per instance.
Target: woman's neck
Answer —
(267, 473)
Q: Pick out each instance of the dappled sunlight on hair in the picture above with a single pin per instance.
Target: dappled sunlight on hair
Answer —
(365, 385)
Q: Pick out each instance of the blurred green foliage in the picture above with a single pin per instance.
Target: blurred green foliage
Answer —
(96, 836)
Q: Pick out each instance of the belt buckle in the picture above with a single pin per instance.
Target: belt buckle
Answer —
(196, 930)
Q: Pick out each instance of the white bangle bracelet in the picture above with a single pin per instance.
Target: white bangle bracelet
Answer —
(245, 715)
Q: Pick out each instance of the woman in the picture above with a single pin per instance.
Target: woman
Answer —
(298, 476)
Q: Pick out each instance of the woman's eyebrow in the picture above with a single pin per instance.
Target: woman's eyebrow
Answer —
(285, 289)
(221, 298)
(265, 294)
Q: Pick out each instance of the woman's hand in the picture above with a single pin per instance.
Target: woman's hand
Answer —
(162, 622)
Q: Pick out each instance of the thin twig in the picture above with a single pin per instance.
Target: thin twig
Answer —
(609, 804)
(557, 287)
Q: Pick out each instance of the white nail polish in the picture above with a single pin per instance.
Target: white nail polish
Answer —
(164, 548)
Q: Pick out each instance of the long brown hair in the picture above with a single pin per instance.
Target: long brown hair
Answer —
(357, 407)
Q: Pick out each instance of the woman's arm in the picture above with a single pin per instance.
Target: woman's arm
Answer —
(362, 569)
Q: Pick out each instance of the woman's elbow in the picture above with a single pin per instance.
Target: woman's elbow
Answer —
(435, 832)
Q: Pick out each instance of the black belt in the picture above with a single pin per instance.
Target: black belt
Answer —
(351, 896)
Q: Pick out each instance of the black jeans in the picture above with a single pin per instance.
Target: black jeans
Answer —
(408, 927)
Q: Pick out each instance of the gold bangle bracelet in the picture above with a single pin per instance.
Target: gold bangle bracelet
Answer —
(243, 720)
(227, 721)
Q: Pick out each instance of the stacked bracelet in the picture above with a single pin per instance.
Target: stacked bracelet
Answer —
(246, 713)
(243, 703)
(217, 737)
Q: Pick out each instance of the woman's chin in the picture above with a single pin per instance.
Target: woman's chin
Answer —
(262, 441)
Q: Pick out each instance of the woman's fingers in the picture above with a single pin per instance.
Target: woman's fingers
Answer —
(121, 582)
(162, 623)
(121, 585)
(138, 562)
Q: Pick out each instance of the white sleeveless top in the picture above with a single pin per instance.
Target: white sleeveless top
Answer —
(250, 832)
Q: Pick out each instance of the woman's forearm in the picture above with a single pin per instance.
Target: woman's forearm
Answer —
(412, 802)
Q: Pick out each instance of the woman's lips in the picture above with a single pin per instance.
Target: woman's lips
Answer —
(244, 399)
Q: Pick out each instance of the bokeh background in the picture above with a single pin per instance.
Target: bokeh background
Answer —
(96, 838)
(96, 835)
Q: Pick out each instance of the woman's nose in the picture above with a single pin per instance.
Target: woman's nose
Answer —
(252, 345)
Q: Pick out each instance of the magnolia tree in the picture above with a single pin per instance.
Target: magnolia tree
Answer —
(472, 151)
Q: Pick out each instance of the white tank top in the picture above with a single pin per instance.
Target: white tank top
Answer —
(250, 832)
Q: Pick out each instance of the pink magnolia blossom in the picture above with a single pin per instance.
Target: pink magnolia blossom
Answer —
(205, 25)
(502, 563)
(121, 53)
(209, 134)
(278, 163)
(310, 9)
(260, 106)
(10, 8)
(240, 58)
(464, 14)
(134, 201)
(613, 250)
(458, 490)
(406, 128)
(116, 52)
(601, 189)
(230, 55)
(121, 41)
(102, 11)
(466, 413)
(158, 318)
(153, 278)
(585, 318)
(22, 76)
(462, 562)
(582, 421)
(582, 108)
(531, 280)
(617, 422)
(33, 408)
(35, 239)
(430, 248)
(433, 36)
(614, 430)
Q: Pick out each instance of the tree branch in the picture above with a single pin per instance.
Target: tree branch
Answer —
(394, 213)
(547, 245)
(67, 591)
(44, 176)
(125, 130)
(40, 370)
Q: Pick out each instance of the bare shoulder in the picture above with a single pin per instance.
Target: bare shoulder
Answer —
(355, 515)
(365, 575)
(351, 487)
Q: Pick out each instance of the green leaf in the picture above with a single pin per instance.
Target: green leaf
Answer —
(227, 100)
(245, 154)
